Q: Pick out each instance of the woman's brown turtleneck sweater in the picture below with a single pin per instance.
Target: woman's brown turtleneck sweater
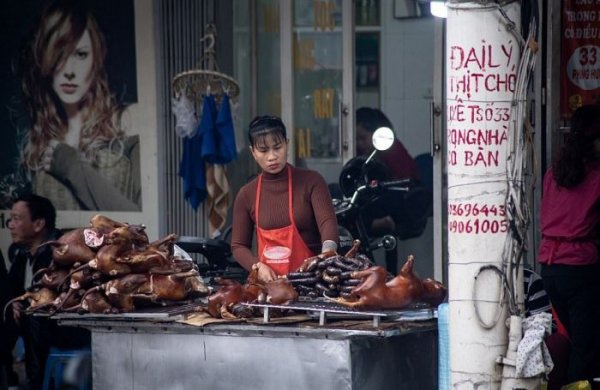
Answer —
(313, 211)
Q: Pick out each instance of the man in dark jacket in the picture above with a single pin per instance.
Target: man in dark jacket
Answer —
(32, 223)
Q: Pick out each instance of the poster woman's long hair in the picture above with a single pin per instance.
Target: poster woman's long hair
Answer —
(72, 147)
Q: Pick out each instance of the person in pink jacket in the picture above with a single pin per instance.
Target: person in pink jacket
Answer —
(569, 254)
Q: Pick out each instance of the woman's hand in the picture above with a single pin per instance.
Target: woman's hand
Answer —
(265, 273)
(48, 155)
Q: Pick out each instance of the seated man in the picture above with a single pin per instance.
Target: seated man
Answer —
(33, 222)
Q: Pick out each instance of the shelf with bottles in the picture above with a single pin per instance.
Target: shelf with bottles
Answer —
(325, 16)
(367, 13)
(367, 60)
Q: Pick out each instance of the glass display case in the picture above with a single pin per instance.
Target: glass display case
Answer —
(268, 60)
(317, 79)
(307, 71)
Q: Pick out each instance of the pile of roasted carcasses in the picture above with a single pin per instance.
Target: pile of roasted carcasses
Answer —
(111, 267)
(352, 281)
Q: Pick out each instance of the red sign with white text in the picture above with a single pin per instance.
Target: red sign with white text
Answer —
(580, 55)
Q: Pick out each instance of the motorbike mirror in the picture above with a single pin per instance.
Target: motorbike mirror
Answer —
(383, 138)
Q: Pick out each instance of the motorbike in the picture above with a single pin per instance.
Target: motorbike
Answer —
(364, 189)
(213, 257)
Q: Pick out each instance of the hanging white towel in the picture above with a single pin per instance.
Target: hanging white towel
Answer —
(186, 122)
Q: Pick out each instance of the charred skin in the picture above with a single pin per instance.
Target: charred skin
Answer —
(116, 293)
(104, 224)
(119, 291)
(155, 261)
(38, 298)
(127, 238)
(280, 291)
(175, 287)
(51, 277)
(71, 248)
(165, 244)
(105, 261)
(85, 278)
(95, 302)
(229, 293)
(68, 300)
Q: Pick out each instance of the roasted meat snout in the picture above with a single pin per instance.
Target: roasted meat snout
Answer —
(279, 292)
(221, 301)
(51, 277)
(37, 299)
(67, 300)
(434, 292)
(94, 302)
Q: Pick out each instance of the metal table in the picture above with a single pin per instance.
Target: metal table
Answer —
(155, 352)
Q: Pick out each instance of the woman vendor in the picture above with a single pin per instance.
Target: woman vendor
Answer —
(570, 222)
(288, 207)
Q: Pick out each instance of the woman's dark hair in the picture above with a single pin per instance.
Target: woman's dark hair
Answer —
(40, 208)
(371, 119)
(261, 126)
(570, 167)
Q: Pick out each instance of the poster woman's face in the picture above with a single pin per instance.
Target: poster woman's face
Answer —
(72, 78)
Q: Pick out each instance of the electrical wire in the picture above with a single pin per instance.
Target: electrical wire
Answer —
(519, 145)
(518, 211)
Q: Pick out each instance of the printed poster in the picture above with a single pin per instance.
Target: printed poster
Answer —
(68, 76)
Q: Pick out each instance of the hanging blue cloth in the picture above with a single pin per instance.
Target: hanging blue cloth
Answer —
(226, 150)
(195, 150)
(208, 130)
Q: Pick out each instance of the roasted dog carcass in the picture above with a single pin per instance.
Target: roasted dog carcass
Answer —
(225, 302)
(230, 292)
(374, 293)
